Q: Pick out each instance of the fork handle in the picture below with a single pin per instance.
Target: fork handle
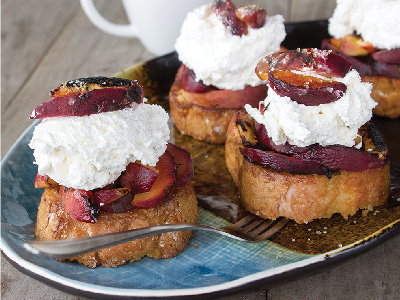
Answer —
(62, 249)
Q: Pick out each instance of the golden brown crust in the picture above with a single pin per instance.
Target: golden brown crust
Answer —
(53, 223)
(206, 124)
(233, 157)
(386, 92)
(271, 194)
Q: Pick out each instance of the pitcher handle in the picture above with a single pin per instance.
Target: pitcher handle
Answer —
(99, 21)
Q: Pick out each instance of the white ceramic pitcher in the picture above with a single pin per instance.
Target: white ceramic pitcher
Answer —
(156, 23)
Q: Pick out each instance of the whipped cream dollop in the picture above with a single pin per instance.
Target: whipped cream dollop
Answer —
(377, 21)
(90, 152)
(335, 123)
(221, 59)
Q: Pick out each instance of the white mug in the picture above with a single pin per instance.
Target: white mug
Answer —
(156, 23)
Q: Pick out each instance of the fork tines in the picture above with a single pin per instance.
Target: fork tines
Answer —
(257, 228)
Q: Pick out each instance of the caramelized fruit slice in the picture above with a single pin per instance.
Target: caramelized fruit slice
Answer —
(253, 15)
(107, 196)
(354, 46)
(387, 56)
(277, 161)
(362, 67)
(79, 204)
(226, 12)
(389, 70)
(215, 98)
(114, 200)
(323, 62)
(281, 162)
(229, 99)
(189, 83)
(138, 178)
(91, 102)
(121, 205)
(44, 181)
(264, 139)
(376, 64)
(183, 159)
(162, 186)
(307, 90)
(339, 157)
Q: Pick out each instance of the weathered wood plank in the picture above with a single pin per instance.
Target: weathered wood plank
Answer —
(28, 29)
(372, 275)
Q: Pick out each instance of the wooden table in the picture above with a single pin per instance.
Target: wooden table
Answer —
(47, 42)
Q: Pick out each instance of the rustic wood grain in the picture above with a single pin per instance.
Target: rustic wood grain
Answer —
(26, 37)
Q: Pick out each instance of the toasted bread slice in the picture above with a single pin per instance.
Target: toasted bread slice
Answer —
(202, 123)
(206, 116)
(53, 223)
(386, 92)
(270, 194)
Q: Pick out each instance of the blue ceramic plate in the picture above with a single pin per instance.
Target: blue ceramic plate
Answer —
(211, 265)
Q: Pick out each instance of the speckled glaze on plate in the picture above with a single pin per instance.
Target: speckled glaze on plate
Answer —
(211, 265)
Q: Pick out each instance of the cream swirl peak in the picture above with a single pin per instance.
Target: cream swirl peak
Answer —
(375, 20)
(220, 58)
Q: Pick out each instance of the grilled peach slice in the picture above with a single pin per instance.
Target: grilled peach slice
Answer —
(362, 67)
(229, 99)
(387, 56)
(384, 62)
(138, 178)
(226, 12)
(354, 46)
(264, 139)
(307, 90)
(283, 162)
(189, 83)
(90, 102)
(184, 161)
(105, 197)
(389, 70)
(339, 157)
(199, 94)
(44, 181)
(323, 62)
(121, 205)
(79, 204)
(253, 15)
(162, 186)
(114, 200)
(305, 87)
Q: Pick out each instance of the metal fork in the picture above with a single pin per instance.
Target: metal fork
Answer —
(249, 229)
